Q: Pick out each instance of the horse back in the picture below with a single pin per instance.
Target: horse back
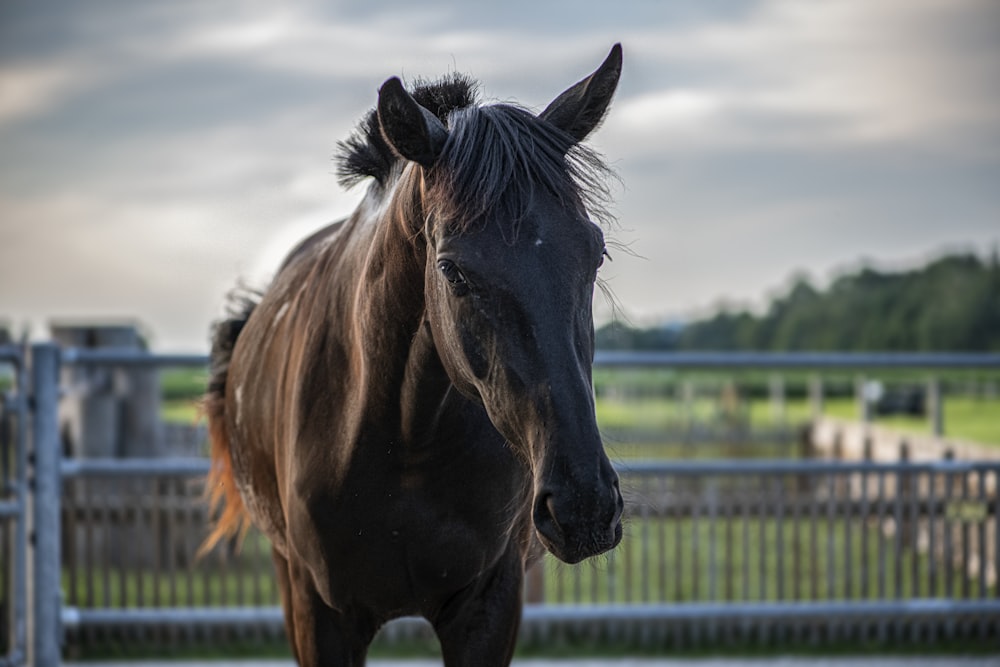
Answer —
(258, 353)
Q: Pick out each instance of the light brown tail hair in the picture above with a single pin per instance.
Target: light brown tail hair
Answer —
(224, 499)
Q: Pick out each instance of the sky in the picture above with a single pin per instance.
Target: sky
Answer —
(154, 154)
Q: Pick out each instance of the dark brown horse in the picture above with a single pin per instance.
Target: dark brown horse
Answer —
(408, 411)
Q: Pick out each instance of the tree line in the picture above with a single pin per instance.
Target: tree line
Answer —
(950, 304)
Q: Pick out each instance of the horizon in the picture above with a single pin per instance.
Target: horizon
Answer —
(676, 321)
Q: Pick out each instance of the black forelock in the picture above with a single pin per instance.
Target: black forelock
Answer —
(498, 157)
(366, 154)
(495, 159)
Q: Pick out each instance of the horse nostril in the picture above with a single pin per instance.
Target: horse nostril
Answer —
(616, 518)
(619, 505)
(545, 514)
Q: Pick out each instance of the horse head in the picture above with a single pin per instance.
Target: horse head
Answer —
(512, 255)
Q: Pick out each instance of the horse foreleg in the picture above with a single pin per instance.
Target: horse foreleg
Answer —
(480, 626)
(319, 635)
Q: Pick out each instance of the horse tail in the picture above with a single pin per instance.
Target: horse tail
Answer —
(224, 497)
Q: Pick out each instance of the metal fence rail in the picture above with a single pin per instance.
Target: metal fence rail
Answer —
(630, 359)
(708, 542)
(796, 360)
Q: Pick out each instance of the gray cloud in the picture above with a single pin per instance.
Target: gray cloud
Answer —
(155, 152)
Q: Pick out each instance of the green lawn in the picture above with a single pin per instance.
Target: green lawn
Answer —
(679, 565)
(975, 419)
(116, 588)
(244, 577)
(659, 560)
(637, 400)
(183, 383)
(181, 411)
(965, 417)
(182, 392)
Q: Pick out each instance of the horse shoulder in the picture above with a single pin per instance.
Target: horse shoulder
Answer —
(271, 360)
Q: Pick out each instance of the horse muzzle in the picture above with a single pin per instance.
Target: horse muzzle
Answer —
(574, 525)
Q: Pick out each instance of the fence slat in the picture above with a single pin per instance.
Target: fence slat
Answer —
(949, 560)
(996, 533)
(848, 523)
(762, 538)
(915, 523)
(678, 557)
(662, 544)
(880, 536)
(932, 525)
(779, 537)
(902, 528)
(964, 578)
(831, 543)
(729, 565)
(814, 547)
(745, 521)
(644, 567)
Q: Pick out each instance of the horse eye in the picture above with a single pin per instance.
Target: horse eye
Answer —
(604, 253)
(451, 272)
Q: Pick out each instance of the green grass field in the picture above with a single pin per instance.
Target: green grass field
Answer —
(671, 560)
(659, 560)
(966, 417)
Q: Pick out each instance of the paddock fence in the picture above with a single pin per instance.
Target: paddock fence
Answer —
(13, 506)
(766, 550)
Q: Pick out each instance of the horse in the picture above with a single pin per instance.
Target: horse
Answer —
(407, 411)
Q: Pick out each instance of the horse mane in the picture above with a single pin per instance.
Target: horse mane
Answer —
(495, 158)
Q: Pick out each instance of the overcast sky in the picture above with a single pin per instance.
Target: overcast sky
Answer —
(151, 154)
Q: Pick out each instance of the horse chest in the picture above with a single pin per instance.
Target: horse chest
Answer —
(399, 540)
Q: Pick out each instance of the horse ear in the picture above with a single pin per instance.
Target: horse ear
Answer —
(581, 108)
(413, 132)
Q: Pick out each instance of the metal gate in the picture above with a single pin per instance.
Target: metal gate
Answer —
(34, 473)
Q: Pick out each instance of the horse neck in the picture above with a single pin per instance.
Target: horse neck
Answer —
(402, 378)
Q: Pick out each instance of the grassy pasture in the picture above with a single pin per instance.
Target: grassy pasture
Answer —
(669, 560)
(965, 417)
(650, 400)
(659, 560)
